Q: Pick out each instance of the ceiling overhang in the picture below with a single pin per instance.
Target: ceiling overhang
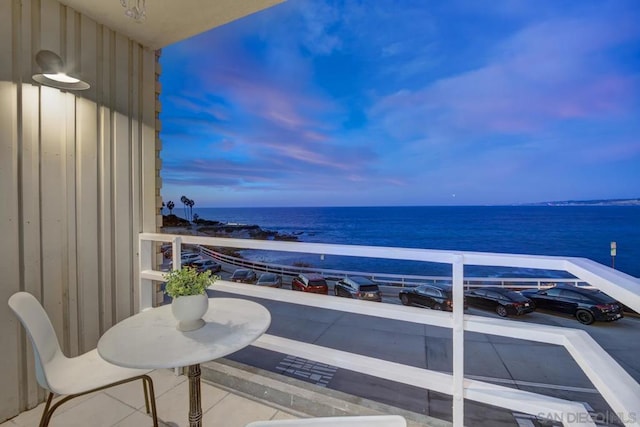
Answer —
(168, 21)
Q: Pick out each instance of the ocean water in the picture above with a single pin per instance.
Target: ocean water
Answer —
(581, 231)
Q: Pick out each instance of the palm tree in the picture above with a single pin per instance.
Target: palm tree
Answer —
(190, 203)
(170, 206)
(184, 200)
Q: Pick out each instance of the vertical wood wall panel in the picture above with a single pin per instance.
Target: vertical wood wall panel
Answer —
(88, 254)
(26, 60)
(73, 181)
(121, 176)
(69, 40)
(11, 336)
(53, 194)
(53, 184)
(70, 283)
(88, 61)
(31, 24)
(7, 30)
(105, 278)
(122, 217)
(50, 30)
(136, 148)
(149, 158)
(31, 225)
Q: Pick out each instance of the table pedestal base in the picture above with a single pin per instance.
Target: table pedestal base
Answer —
(195, 404)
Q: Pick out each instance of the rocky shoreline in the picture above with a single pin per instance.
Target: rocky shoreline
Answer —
(174, 224)
(603, 202)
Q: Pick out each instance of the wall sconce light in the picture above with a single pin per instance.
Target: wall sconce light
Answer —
(53, 73)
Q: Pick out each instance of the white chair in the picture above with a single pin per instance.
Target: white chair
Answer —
(356, 421)
(71, 377)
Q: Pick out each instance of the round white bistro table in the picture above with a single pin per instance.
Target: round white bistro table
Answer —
(150, 340)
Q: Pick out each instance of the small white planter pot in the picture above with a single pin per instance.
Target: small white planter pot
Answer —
(188, 311)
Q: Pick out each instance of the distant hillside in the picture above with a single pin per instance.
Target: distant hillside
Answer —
(602, 202)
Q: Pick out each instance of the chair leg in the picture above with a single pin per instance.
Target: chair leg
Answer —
(46, 415)
(146, 395)
(146, 380)
(152, 397)
(44, 422)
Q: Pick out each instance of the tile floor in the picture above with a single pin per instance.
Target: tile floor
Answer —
(123, 406)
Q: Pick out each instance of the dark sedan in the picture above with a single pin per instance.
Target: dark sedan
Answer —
(436, 297)
(243, 275)
(586, 305)
(503, 301)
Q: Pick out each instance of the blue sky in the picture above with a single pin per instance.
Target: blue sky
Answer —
(374, 103)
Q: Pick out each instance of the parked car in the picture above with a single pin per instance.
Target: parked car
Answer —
(187, 258)
(244, 275)
(167, 250)
(271, 280)
(586, 305)
(503, 301)
(436, 296)
(206, 265)
(310, 282)
(628, 310)
(357, 287)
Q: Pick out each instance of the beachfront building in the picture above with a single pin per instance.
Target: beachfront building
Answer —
(79, 179)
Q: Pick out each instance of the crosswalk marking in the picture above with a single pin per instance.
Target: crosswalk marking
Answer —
(315, 372)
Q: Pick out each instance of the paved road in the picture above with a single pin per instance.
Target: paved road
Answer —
(535, 367)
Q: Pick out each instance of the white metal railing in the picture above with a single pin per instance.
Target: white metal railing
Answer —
(389, 279)
(616, 386)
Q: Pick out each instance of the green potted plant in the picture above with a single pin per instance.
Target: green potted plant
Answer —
(190, 302)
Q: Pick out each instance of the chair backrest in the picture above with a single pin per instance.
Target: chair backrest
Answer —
(40, 331)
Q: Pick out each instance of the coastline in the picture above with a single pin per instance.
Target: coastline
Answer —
(174, 224)
(603, 202)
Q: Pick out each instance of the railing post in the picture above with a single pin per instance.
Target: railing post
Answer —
(458, 341)
(145, 286)
(176, 249)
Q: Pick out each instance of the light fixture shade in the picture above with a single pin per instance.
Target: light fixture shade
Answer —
(53, 73)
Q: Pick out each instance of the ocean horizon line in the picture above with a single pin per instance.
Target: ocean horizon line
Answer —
(603, 203)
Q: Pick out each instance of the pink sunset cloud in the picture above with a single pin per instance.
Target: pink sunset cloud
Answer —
(550, 72)
(438, 98)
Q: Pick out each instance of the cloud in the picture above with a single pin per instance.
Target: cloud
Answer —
(545, 73)
(317, 19)
(315, 98)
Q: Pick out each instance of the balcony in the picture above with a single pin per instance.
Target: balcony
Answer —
(239, 393)
(470, 396)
